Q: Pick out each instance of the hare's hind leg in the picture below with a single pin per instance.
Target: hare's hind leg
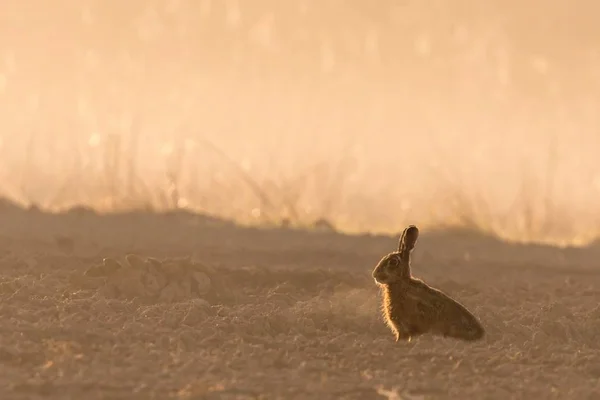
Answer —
(442, 315)
(464, 326)
(457, 322)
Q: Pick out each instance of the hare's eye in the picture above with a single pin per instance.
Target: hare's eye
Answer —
(393, 262)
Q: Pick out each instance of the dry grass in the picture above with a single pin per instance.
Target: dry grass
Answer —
(319, 195)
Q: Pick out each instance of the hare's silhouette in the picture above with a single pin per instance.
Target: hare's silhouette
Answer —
(411, 307)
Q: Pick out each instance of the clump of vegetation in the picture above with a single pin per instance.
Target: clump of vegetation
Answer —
(154, 280)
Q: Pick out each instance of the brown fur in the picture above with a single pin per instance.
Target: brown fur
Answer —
(411, 307)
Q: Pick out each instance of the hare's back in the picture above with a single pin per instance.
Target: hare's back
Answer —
(443, 314)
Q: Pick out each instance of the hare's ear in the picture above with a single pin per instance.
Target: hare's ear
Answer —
(407, 241)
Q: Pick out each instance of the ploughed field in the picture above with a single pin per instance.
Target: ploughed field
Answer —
(188, 307)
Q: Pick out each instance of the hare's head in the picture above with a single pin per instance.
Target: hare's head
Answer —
(395, 267)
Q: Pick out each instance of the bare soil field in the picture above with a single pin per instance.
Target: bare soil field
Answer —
(226, 312)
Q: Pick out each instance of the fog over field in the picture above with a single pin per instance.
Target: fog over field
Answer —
(194, 194)
(367, 115)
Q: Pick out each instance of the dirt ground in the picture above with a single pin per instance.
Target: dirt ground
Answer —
(280, 314)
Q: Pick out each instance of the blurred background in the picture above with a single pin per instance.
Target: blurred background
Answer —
(366, 114)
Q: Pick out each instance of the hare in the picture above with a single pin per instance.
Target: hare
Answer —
(411, 307)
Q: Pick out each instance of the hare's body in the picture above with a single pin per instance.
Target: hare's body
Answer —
(412, 308)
